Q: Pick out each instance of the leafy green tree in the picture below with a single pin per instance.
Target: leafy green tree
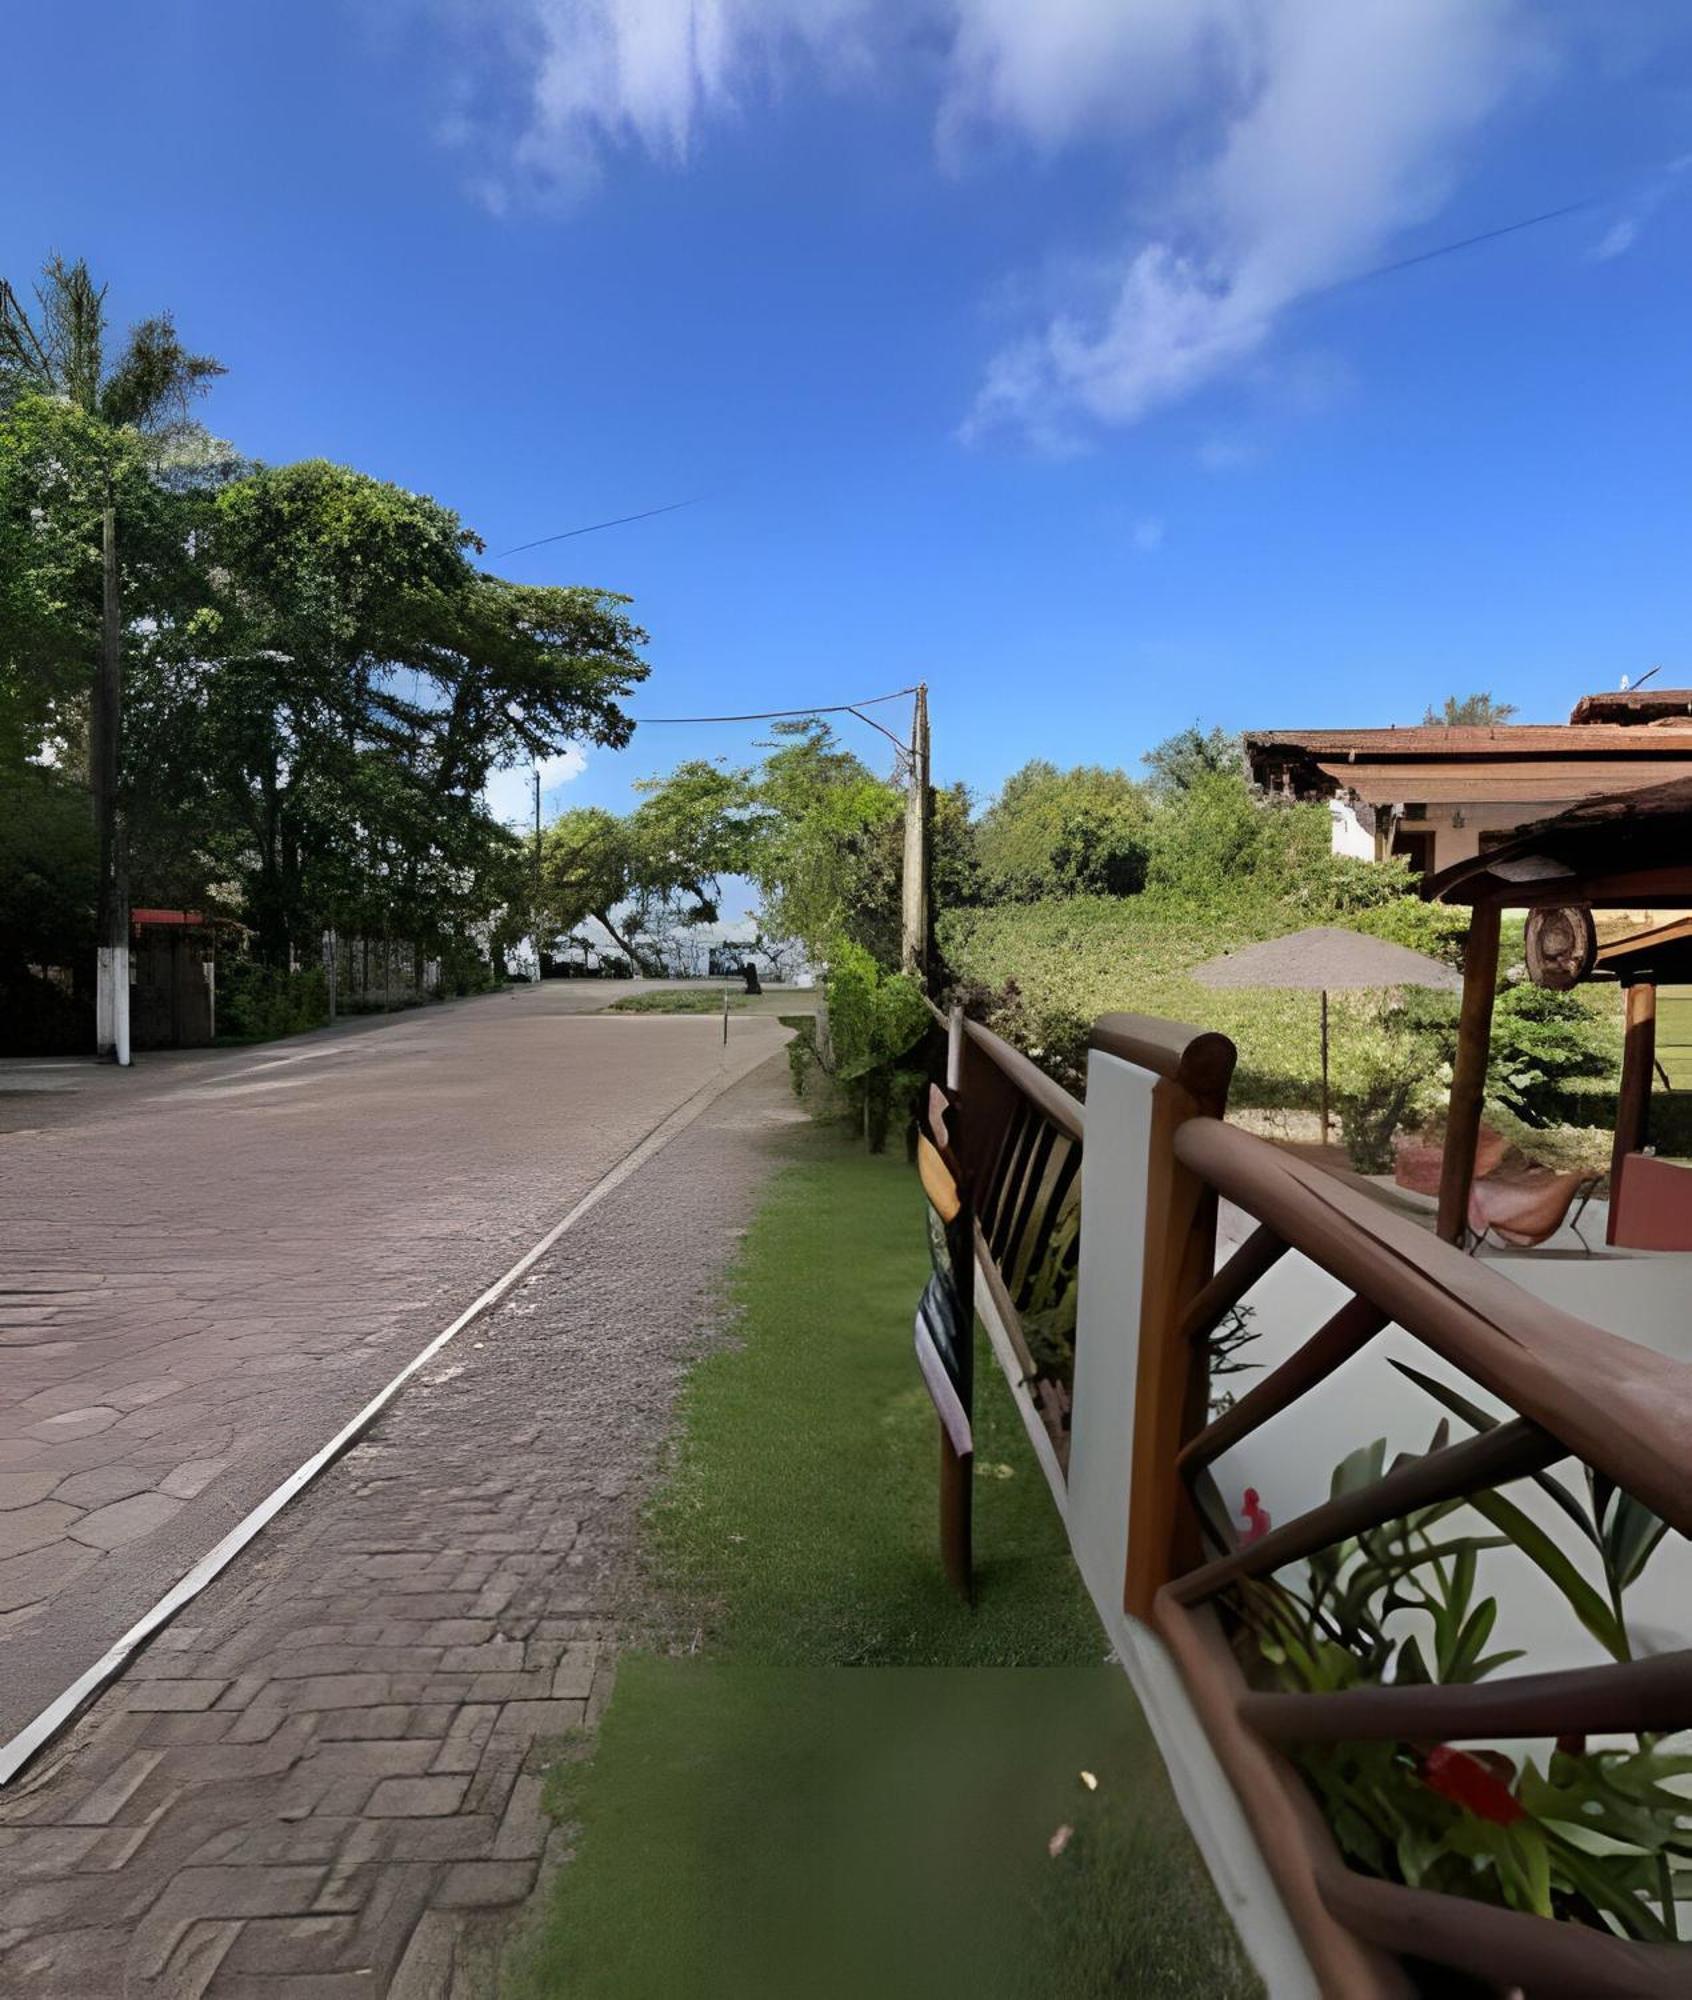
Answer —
(1180, 761)
(119, 429)
(1215, 839)
(347, 689)
(1470, 711)
(1082, 832)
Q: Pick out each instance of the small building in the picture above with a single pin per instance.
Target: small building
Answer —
(172, 970)
(1439, 796)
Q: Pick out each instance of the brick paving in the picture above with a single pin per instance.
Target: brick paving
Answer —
(325, 1779)
(210, 1263)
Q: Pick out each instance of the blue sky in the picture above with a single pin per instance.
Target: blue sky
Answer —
(1011, 348)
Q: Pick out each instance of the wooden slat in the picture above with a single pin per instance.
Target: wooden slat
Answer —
(1511, 1451)
(1051, 1100)
(1256, 1256)
(1617, 1405)
(1292, 1835)
(1511, 1952)
(1620, 1696)
(1351, 1328)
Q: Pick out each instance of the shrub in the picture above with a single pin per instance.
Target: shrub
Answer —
(257, 1003)
(1063, 833)
(876, 1021)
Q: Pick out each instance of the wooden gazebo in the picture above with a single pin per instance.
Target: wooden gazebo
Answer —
(1628, 851)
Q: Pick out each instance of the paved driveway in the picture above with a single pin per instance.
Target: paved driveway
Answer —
(209, 1263)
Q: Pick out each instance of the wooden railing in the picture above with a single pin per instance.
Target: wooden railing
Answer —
(1571, 1391)
(1567, 1390)
(1021, 1159)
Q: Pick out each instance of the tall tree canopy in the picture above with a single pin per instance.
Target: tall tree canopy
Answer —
(319, 675)
(1080, 832)
(1470, 711)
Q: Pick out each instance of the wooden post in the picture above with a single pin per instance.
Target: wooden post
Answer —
(1324, 1065)
(957, 1472)
(1468, 1081)
(1633, 1101)
(914, 938)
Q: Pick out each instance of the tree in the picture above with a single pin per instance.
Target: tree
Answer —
(1180, 761)
(1471, 711)
(145, 395)
(340, 700)
(1081, 832)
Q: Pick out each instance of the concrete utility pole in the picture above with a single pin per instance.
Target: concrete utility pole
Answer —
(913, 955)
(537, 877)
(111, 914)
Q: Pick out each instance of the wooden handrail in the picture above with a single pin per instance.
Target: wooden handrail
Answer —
(1050, 1099)
(1620, 1407)
(1509, 1951)
(1198, 1059)
(1620, 1697)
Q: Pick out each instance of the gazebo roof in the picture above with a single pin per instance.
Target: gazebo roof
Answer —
(1625, 850)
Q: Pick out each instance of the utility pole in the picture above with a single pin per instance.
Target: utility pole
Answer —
(111, 915)
(913, 956)
(537, 877)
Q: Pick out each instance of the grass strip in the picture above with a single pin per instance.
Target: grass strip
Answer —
(760, 1815)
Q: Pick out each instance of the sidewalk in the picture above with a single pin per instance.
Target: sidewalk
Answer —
(326, 1778)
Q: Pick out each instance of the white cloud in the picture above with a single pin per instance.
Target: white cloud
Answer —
(1148, 534)
(1339, 130)
(511, 794)
(1617, 240)
(1271, 147)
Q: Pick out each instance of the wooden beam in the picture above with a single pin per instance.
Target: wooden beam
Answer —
(1633, 1101)
(1468, 1082)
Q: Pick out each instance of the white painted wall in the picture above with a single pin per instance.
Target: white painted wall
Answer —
(1114, 1171)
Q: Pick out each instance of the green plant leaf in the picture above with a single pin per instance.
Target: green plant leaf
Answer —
(1542, 1551)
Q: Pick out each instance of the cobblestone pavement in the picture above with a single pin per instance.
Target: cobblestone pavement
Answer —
(210, 1263)
(325, 1779)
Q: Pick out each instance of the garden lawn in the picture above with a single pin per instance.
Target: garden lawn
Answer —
(844, 1781)
(708, 999)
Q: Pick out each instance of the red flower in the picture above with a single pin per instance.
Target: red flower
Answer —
(1469, 1783)
(1254, 1517)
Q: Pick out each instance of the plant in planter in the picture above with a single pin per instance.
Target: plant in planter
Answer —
(1597, 1836)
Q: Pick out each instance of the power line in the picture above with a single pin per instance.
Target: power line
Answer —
(594, 527)
(1463, 243)
(779, 714)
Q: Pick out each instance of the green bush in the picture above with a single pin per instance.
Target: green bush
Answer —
(876, 1021)
(1540, 1041)
(258, 1003)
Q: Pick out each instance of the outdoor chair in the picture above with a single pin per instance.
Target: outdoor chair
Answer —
(1416, 1162)
(1523, 1210)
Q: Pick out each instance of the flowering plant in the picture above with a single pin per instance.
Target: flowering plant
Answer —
(1596, 1836)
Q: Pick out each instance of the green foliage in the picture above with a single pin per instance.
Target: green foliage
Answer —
(318, 678)
(1180, 761)
(258, 1002)
(1541, 1039)
(1592, 1836)
(1216, 840)
(876, 1020)
(1470, 711)
(1063, 833)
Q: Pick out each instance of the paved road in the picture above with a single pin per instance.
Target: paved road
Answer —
(323, 1781)
(210, 1262)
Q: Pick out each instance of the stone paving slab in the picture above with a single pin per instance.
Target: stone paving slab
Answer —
(326, 1777)
(209, 1264)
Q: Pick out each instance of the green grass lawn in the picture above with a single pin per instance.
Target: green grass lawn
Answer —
(707, 998)
(841, 1780)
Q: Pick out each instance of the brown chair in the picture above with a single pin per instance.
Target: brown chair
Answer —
(1522, 1210)
(1416, 1163)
